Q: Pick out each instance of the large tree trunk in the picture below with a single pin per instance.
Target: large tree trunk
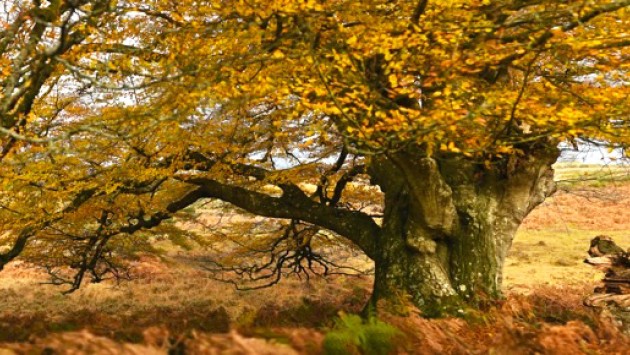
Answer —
(448, 226)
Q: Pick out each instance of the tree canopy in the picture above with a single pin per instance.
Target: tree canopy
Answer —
(115, 115)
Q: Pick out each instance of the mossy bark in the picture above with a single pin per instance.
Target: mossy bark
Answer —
(448, 226)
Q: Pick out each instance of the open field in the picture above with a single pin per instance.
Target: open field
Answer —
(551, 245)
(174, 308)
(592, 174)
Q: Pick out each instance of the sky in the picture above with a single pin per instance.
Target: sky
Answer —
(589, 153)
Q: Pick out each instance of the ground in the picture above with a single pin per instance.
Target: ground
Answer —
(171, 307)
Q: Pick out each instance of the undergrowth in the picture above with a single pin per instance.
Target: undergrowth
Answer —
(354, 335)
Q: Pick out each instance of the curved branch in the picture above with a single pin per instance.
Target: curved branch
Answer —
(155, 219)
(294, 204)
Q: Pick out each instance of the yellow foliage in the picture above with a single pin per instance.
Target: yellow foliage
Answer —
(119, 109)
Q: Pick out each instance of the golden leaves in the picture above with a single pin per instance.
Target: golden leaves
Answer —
(246, 80)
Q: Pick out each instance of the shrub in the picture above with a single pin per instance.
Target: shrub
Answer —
(354, 335)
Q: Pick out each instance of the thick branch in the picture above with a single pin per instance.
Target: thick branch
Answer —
(418, 11)
(294, 204)
(155, 219)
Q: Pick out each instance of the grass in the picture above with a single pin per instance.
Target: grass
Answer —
(171, 308)
(179, 299)
(594, 175)
(553, 257)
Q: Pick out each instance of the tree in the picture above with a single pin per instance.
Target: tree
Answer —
(454, 109)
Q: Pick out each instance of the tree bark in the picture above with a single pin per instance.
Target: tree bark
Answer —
(448, 226)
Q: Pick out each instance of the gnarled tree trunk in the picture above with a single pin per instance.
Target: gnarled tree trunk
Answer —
(448, 225)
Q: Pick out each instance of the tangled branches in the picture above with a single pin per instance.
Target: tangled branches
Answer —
(98, 264)
(95, 255)
(292, 251)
